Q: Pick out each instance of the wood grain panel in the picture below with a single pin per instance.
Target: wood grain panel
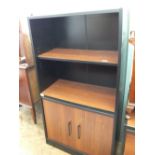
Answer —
(130, 144)
(53, 120)
(99, 56)
(83, 94)
(32, 75)
(98, 133)
(24, 91)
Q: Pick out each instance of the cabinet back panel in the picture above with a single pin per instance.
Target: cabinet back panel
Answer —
(70, 32)
(92, 74)
(98, 31)
(49, 71)
(102, 31)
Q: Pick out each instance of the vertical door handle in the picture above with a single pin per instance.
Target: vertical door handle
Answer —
(79, 131)
(69, 128)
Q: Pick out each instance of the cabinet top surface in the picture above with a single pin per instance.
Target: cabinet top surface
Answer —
(83, 55)
(83, 94)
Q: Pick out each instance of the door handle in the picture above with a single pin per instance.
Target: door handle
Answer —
(79, 131)
(69, 128)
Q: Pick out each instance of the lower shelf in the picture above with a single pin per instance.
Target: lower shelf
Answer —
(89, 95)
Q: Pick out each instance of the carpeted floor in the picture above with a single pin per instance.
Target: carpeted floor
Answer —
(32, 138)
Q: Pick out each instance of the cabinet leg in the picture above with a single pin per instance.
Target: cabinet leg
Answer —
(34, 115)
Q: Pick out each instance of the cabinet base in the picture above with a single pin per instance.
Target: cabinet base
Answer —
(64, 147)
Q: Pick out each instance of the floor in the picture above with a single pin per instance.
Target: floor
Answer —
(32, 138)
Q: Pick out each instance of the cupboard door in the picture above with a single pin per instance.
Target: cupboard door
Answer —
(78, 129)
(53, 120)
(98, 133)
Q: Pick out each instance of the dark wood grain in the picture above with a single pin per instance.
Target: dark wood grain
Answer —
(32, 75)
(28, 88)
(99, 56)
(130, 144)
(83, 94)
(24, 90)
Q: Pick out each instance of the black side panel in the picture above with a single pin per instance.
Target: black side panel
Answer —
(102, 31)
(71, 32)
(49, 71)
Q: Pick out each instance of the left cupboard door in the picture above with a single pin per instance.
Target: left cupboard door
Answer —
(59, 123)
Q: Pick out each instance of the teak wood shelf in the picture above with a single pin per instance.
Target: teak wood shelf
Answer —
(84, 94)
(94, 56)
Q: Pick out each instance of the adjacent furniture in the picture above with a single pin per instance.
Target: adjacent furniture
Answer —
(130, 136)
(129, 148)
(81, 60)
(28, 92)
(28, 84)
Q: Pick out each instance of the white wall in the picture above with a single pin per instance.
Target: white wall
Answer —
(50, 7)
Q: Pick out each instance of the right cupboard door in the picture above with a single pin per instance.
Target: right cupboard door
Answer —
(98, 134)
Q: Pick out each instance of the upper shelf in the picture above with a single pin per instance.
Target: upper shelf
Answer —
(89, 95)
(82, 55)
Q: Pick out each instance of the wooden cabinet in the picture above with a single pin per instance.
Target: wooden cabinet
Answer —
(85, 131)
(81, 62)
